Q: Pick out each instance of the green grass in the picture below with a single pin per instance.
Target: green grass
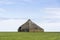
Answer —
(29, 36)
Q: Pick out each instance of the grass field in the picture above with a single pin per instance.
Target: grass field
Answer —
(29, 36)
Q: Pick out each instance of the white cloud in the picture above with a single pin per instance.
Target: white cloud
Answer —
(6, 2)
(11, 24)
(2, 10)
(55, 11)
(51, 13)
(52, 16)
(55, 27)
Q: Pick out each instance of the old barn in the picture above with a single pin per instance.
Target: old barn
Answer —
(30, 26)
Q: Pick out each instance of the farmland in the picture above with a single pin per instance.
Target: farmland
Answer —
(29, 36)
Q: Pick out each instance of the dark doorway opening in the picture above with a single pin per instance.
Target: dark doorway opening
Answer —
(19, 30)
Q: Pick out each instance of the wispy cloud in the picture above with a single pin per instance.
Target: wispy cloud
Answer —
(6, 2)
(11, 25)
(52, 15)
(51, 12)
(2, 10)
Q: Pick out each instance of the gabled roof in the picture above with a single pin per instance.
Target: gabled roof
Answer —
(30, 25)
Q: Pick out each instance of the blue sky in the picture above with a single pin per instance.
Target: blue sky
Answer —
(45, 13)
